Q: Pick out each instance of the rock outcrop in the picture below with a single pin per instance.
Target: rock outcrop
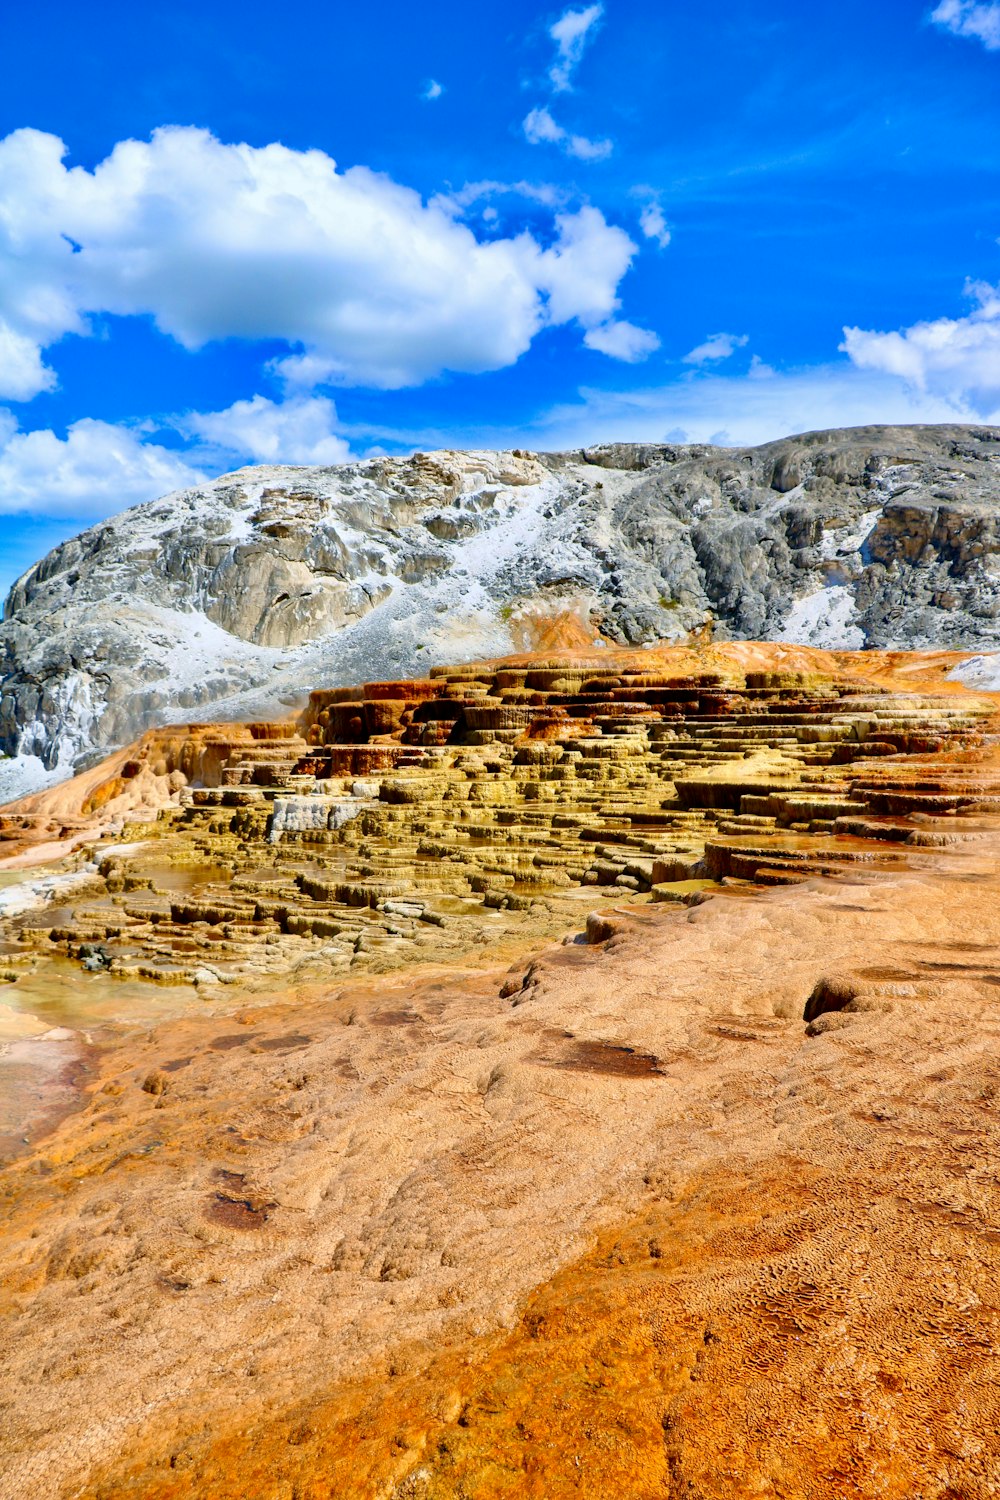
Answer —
(236, 597)
(397, 822)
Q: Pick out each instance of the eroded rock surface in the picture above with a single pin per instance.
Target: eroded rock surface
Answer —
(399, 821)
(243, 594)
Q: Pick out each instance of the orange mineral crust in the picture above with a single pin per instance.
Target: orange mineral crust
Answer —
(680, 1182)
(348, 1247)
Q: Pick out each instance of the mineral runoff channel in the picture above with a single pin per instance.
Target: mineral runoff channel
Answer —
(560, 1075)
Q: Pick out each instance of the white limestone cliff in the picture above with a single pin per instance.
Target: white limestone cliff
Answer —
(232, 599)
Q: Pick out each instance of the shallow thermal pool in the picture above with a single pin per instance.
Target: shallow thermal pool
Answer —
(54, 1019)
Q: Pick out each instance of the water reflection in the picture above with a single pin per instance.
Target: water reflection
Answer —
(55, 1015)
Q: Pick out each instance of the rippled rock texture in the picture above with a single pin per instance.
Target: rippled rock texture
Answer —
(398, 820)
(238, 597)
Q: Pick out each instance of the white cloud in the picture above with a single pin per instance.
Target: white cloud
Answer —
(540, 128)
(22, 372)
(581, 272)
(622, 340)
(956, 358)
(99, 468)
(576, 279)
(352, 270)
(653, 224)
(298, 431)
(705, 406)
(432, 90)
(716, 346)
(745, 410)
(96, 470)
(571, 34)
(970, 18)
(472, 193)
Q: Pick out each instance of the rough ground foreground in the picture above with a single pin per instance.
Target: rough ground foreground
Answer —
(703, 1203)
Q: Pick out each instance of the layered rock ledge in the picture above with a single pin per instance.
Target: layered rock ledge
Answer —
(397, 821)
(236, 598)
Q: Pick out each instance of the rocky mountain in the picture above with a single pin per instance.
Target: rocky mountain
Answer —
(232, 599)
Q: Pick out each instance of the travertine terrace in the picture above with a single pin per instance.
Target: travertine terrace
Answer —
(581, 1079)
(398, 820)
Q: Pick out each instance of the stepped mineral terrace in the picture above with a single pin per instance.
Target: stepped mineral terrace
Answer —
(231, 600)
(402, 819)
(569, 1074)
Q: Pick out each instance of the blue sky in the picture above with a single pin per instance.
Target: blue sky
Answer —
(232, 234)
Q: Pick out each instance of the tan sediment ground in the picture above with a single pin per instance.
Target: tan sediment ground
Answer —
(797, 1237)
(617, 1220)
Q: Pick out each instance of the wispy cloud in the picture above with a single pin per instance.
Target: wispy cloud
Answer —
(488, 189)
(706, 406)
(653, 223)
(540, 128)
(711, 407)
(979, 20)
(571, 34)
(717, 346)
(432, 89)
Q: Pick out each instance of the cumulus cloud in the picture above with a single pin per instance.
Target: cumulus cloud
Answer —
(653, 223)
(22, 371)
(622, 340)
(353, 271)
(432, 90)
(100, 468)
(571, 34)
(540, 128)
(957, 358)
(298, 431)
(580, 274)
(576, 277)
(716, 346)
(94, 471)
(980, 22)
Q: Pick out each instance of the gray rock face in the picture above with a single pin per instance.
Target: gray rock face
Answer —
(236, 597)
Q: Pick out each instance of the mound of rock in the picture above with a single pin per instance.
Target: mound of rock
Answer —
(237, 596)
(396, 822)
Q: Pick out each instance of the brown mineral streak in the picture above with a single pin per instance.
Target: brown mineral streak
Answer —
(704, 1203)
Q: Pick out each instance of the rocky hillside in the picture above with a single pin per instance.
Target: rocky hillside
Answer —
(232, 599)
